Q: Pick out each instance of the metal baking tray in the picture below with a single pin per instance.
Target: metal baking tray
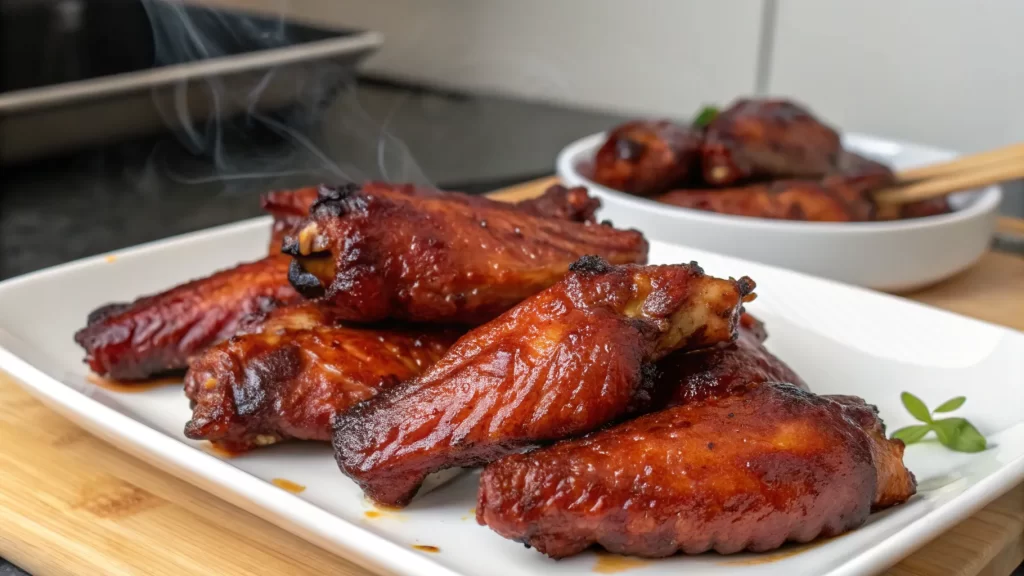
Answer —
(107, 78)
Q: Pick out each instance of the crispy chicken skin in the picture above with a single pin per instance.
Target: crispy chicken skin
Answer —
(289, 208)
(438, 258)
(566, 361)
(573, 204)
(159, 333)
(724, 369)
(767, 139)
(778, 200)
(648, 157)
(740, 472)
(844, 195)
(288, 377)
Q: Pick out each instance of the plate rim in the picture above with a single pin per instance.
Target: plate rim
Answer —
(353, 542)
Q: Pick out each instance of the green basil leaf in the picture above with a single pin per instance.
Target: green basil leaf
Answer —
(706, 115)
(959, 434)
(916, 407)
(947, 430)
(911, 434)
(951, 404)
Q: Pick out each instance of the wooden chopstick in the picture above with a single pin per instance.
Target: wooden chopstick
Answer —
(969, 162)
(964, 173)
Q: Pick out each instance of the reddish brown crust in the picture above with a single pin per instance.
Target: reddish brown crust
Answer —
(739, 472)
(439, 258)
(563, 362)
(842, 196)
(208, 310)
(647, 157)
(287, 379)
(159, 333)
(767, 139)
(725, 369)
(779, 200)
(573, 204)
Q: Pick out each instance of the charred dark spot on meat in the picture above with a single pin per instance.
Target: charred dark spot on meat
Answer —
(106, 311)
(590, 264)
(334, 201)
(304, 282)
(746, 288)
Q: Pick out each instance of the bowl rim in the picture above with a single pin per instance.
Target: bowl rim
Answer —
(987, 201)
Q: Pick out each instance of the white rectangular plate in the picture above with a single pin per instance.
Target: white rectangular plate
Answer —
(839, 338)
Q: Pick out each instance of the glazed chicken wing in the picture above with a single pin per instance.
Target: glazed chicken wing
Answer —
(645, 158)
(438, 259)
(573, 204)
(287, 377)
(842, 196)
(563, 362)
(289, 208)
(724, 369)
(767, 139)
(740, 472)
(159, 333)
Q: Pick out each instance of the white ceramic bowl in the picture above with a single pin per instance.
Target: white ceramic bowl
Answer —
(892, 256)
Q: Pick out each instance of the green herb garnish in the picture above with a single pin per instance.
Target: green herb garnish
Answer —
(954, 433)
(706, 115)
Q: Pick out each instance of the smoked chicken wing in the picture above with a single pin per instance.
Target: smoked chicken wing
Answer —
(740, 472)
(159, 333)
(564, 362)
(287, 377)
(648, 157)
(438, 258)
(573, 204)
(842, 196)
(723, 369)
(767, 139)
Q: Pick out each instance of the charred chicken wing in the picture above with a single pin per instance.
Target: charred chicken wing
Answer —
(739, 472)
(767, 139)
(724, 369)
(564, 362)
(287, 378)
(573, 204)
(438, 259)
(645, 158)
(159, 333)
(842, 196)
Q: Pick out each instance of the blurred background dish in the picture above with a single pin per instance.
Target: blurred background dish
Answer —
(896, 256)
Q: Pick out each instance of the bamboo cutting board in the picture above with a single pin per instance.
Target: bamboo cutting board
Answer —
(72, 504)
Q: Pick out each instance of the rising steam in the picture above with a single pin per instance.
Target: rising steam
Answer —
(268, 125)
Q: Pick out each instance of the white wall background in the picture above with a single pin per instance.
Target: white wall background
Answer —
(644, 56)
(943, 72)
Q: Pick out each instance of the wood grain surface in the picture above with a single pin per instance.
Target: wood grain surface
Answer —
(72, 504)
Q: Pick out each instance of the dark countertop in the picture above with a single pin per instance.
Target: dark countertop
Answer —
(57, 210)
